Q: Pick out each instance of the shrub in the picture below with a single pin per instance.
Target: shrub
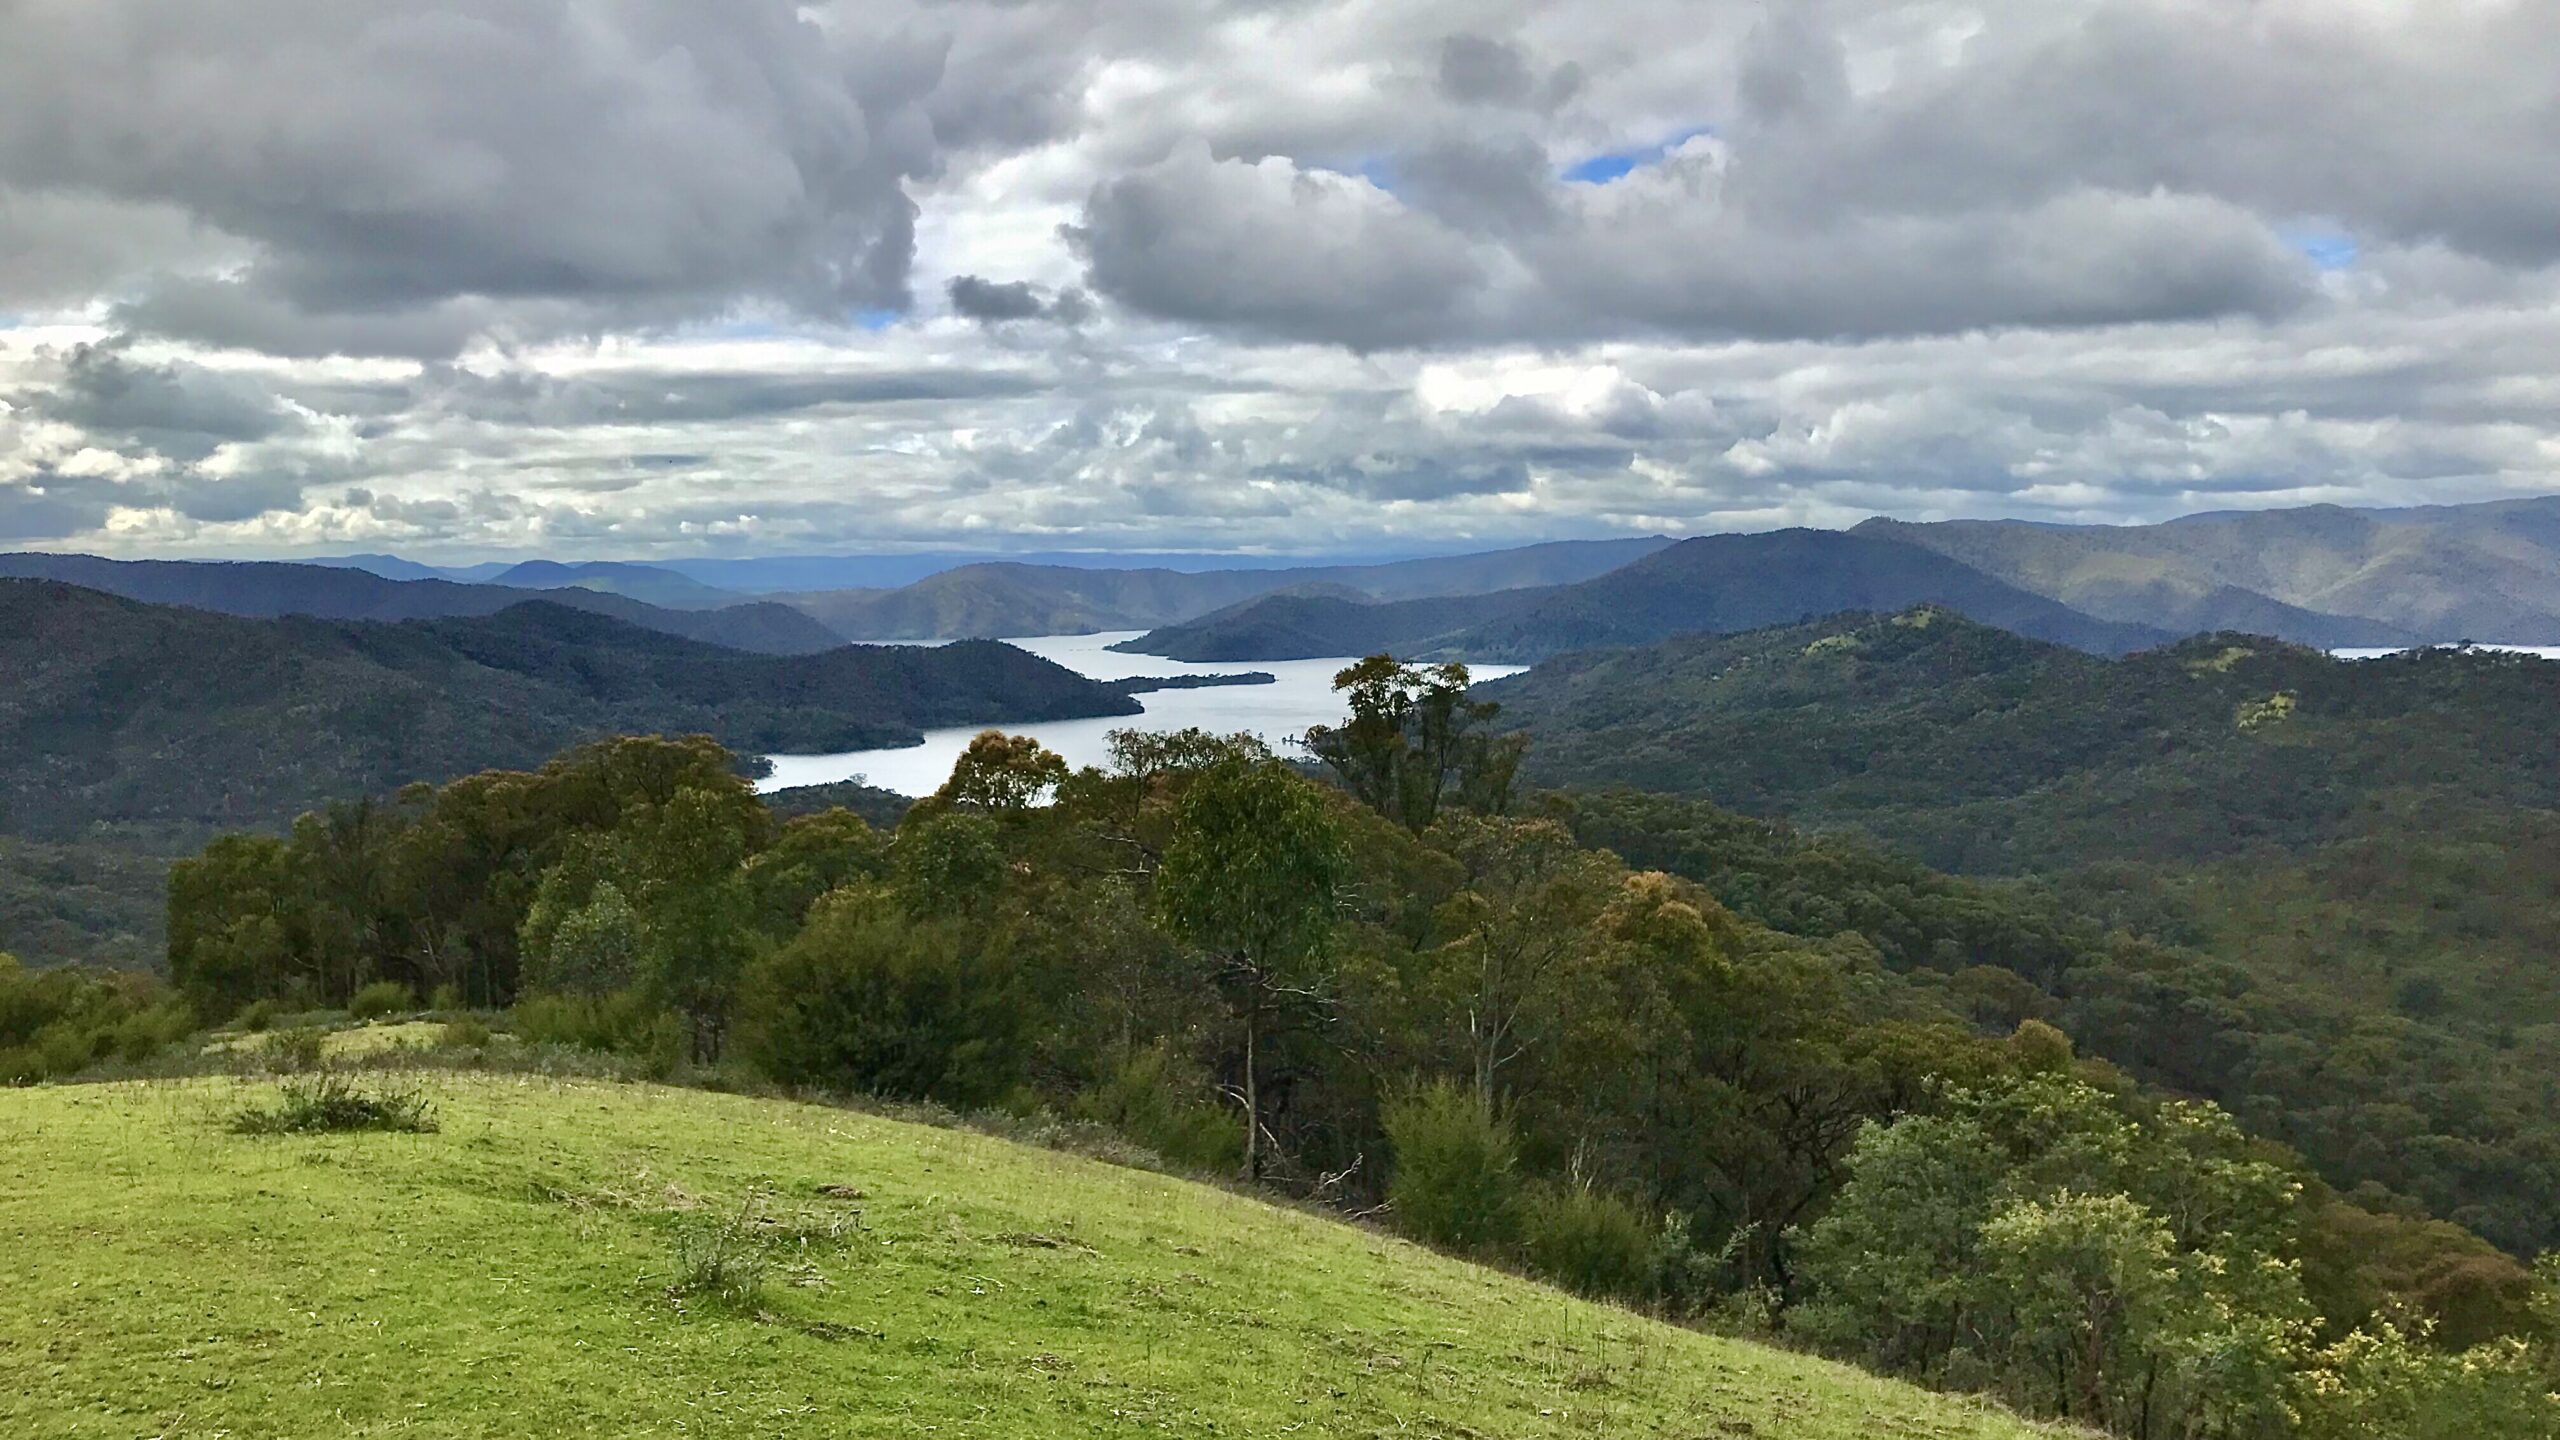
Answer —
(1588, 1240)
(381, 998)
(1454, 1182)
(624, 1023)
(259, 1017)
(466, 1032)
(65, 1020)
(295, 1048)
(447, 999)
(866, 999)
(1156, 1100)
(333, 1101)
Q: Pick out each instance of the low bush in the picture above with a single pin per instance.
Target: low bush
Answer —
(259, 1017)
(382, 998)
(1588, 1240)
(871, 1001)
(446, 1000)
(1455, 1181)
(292, 1049)
(465, 1032)
(330, 1101)
(725, 1260)
(62, 1021)
(624, 1023)
(1157, 1101)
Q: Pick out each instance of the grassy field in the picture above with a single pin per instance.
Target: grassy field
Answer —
(510, 1274)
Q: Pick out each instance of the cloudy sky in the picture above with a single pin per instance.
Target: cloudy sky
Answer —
(650, 277)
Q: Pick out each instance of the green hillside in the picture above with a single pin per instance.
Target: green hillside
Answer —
(124, 712)
(1301, 626)
(510, 1272)
(1977, 749)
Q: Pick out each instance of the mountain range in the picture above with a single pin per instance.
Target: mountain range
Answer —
(1714, 583)
(2319, 575)
(1004, 598)
(2322, 576)
(266, 589)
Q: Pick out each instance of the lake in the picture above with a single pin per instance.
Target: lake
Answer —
(1302, 696)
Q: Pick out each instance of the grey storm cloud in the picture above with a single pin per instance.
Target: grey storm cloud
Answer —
(1476, 70)
(170, 408)
(48, 505)
(387, 162)
(2083, 164)
(992, 302)
(672, 275)
(664, 397)
(1270, 247)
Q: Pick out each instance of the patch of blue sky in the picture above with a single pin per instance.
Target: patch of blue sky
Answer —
(1611, 165)
(877, 320)
(2326, 246)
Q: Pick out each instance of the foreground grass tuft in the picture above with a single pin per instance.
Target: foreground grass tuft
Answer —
(326, 1101)
(726, 1261)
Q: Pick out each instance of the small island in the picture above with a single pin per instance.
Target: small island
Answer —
(1141, 684)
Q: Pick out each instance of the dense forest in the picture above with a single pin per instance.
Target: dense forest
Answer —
(2315, 890)
(1980, 750)
(1417, 993)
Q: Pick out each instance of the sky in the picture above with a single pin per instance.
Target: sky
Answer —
(650, 278)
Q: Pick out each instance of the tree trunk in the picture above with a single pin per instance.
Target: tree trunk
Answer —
(1252, 1103)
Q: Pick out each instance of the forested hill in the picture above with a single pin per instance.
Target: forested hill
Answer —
(1715, 583)
(268, 589)
(1980, 750)
(1313, 626)
(119, 711)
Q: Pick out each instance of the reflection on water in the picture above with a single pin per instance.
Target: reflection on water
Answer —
(1302, 696)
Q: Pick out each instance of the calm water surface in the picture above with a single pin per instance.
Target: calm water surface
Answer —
(1302, 697)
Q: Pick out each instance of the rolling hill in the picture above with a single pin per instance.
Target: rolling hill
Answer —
(1001, 598)
(511, 1273)
(118, 711)
(648, 584)
(1304, 626)
(1714, 583)
(1978, 749)
(268, 589)
(2319, 575)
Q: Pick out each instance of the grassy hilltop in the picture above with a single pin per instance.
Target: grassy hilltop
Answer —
(509, 1273)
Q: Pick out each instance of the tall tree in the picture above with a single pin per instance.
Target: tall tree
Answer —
(1414, 742)
(1250, 878)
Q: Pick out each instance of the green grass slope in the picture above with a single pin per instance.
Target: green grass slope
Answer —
(508, 1274)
